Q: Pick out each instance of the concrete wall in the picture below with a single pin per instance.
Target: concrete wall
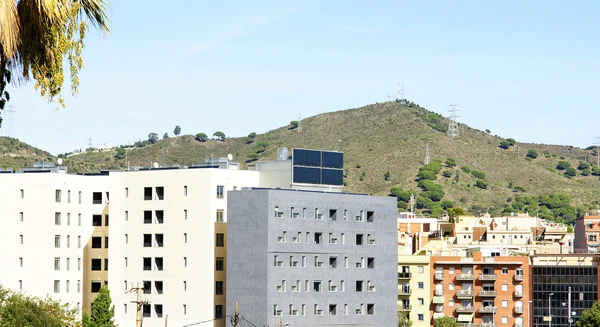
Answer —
(253, 232)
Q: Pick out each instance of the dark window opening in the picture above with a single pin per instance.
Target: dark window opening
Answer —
(370, 216)
(106, 242)
(160, 216)
(220, 241)
(96, 285)
(332, 262)
(359, 285)
(158, 310)
(359, 239)
(147, 287)
(332, 214)
(160, 193)
(219, 287)
(220, 264)
(146, 310)
(105, 264)
(317, 286)
(147, 217)
(97, 220)
(158, 262)
(96, 242)
(370, 308)
(147, 193)
(370, 262)
(158, 238)
(219, 312)
(333, 309)
(158, 285)
(318, 238)
(97, 198)
(147, 240)
(147, 263)
(105, 220)
(96, 264)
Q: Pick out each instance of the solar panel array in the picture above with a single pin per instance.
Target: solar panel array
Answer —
(317, 167)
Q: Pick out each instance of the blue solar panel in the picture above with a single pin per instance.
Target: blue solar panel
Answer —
(332, 159)
(332, 176)
(307, 157)
(307, 175)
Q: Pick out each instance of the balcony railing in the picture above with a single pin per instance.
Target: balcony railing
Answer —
(402, 290)
(405, 307)
(438, 292)
(465, 277)
(519, 278)
(468, 309)
(518, 293)
(464, 294)
(518, 309)
(439, 308)
(439, 276)
(488, 309)
(488, 276)
(404, 275)
(484, 293)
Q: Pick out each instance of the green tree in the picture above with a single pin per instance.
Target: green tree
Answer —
(478, 174)
(488, 131)
(450, 162)
(466, 169)
(201, 137)
(19, 310)
(436, 210)
(563, 164)
(165, 136)
(120, 153)
(253, 156)
(262, 144)
(219, 135)
(596, 171)
(294, 123)
(177, 130)
(102, 311)
(424, 203)
(504, 144)
(152, 138)
(590, 317)
(252, 135)
(445, 322)
(570, 171)
(446, 204)
(481, 184)
(585, 172)
(511, 141)
(583, 165)
(456, 212)
(404, 319)
(362, 176)
(37, 37)
(401, 194)
(447, 173)
(426, 175)
(532, 153)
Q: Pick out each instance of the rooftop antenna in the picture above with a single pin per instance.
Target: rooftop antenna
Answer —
(452, 124)
(597, 138)
(427, 157)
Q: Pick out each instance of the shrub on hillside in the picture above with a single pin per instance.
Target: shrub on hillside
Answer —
(447, 173)
(447, 204)
(401, 194)
(450, 162)
(511, 141)
(532, 153)
(426, 175)
(585, 172)
(562, 165)
(478, 174)
(583, 165)
(504, 145)
(481, 184)
(424, 203)
(570, 171)
(466, 169)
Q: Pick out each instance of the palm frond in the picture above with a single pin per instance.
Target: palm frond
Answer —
(9, 27)
(96, 12)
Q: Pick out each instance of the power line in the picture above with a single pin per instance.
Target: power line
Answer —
(203, 322)
(246, 320)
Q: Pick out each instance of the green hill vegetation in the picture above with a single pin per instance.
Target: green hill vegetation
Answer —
(15, 154)
(384, 148)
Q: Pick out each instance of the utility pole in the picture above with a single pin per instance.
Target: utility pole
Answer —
(452, 124)
(139, 304)
(235, 320)
(166, 320)
(280, 322)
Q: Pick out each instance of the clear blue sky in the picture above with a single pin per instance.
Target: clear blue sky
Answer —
(524, 69)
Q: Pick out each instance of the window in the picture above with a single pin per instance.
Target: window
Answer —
(78, 286)
(158, 263)
(504, 271)
(219, 287)
(332, 240)
(20, 284)
(97, 220)
(318, 264)
(318, 238)
(22, 193)
(69, 196)
(146, 311)
(56, 241)
(147, 263)
(96, 264)
(450, 303)
(21, 262)
(158, 286)
(219, 264)
(147, 193)
(371, 263)
(97, 198)
(56, 263)
(345, 262)
(78, 219)
(371, 308)
(185, 191)
(504, 303)
(333, 309)
(220, 218)
(158, 310)
(317, 286)
(591, 237)
(68, 219)
(359, 310)
(79, 242)
(79, 197)
(420, 301)
(220, 194)
(96, 242)
(126, 262)
(147, 217)
(343, 238)
(421, 317)
(78, 264)
(303, 261)
(220, 240)
(105, 220)
(332, 262)
(333, 214)
(125, 308)
(21, 218)
(57, 196)
(318, 216)
(159, 240)
(57, 286)
(359, 285)
(370, 216)
(160, 193)
(185, 261)
(505, 287)
(420, 269)
(504, 319)
(57, 217)
(147, 287)
(359, 239)
(68, 286)
(184, 309)
(68, 241)
(127, 192)
(293, 312)
(126, 215)
(342, 286)
(147, 240)
(420, 285)
(219, 312)
(185, 285)
(160, 216)
(451, 270)
(21, 238)
(105, 264)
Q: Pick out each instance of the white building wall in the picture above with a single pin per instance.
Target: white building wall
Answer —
(38, 251)
(201, 203)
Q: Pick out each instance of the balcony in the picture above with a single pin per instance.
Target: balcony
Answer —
(484, 293)
(518, 310)
(519, 278)
(488, 309)
(518, 293)
(403, 290)
(461, 309)
(439, 276)
(439, 308)
(464, 294)
(488, 276)
(465, 277)
(404, 307)
(404, 275)
(438, 292)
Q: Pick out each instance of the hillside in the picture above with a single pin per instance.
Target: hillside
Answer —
(390, 137)
(14, 153)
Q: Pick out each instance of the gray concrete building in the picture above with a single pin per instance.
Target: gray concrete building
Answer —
(307, 258)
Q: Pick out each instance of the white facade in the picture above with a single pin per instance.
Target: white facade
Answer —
(44, 233)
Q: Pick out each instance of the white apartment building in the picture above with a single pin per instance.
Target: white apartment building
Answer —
(47, 222)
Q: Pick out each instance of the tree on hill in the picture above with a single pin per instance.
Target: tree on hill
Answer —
(446, 204)
(570, 171)
(177, 130)
(456, 212)
(102, 311)
(387, 175)
(450, 162)
(294, 123)
(152, 138)
(120, 153)
(583, 165)
(563, 164)
(478, 174)
(165, 136)
(504, 144)
(219, 135)
(262, 144)
(447, 173)
(445, 322)
(201, 137)
(402, 195)
(18, 310)
(481, 184)
(532, 153)
(590, 317)
(253, 156)
(36, 37)
(426, 175)
(511, 141)
(488, 131)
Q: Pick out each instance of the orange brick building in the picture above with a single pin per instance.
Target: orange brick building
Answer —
(481, 291)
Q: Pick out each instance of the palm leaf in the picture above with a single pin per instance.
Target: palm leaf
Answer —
(9, 27)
